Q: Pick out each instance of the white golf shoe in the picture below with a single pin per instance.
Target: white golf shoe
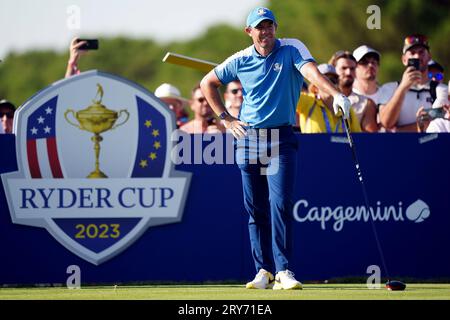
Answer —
(284, 280)
(263, 280)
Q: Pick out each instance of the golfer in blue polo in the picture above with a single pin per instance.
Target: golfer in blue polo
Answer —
(271, 72)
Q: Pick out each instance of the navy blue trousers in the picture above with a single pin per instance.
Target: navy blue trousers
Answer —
(268, 162)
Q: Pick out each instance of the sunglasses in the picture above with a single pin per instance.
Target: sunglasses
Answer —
(366, 61)
(8, 114)
(417, 38)
(437, 75)
(235, 91)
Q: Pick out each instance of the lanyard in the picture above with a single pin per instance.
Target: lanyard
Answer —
(327, 123)
(310, 114)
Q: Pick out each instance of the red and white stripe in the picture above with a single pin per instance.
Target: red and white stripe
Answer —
(43, 158)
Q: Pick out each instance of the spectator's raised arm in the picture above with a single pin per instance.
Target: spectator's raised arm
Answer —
(75, 53)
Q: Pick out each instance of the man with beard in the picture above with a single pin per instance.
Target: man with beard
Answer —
(204, 120)
(365, 109)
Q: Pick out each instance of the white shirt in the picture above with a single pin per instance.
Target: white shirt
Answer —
(375, 97)
(415, 98)
(359, 104)
(439, 125)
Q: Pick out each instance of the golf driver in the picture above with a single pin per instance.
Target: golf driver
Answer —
(189, 62)
(390, 284)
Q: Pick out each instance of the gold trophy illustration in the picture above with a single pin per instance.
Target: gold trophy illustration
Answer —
(97, 119)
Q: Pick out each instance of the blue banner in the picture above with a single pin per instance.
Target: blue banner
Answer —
(406, 177)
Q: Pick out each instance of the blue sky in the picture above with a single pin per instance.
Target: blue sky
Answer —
(50, 24)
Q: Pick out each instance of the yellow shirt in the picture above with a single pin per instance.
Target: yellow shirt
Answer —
(315, 117)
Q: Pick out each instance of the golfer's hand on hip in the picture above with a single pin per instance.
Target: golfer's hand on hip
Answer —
(343, 104)
(235, 126)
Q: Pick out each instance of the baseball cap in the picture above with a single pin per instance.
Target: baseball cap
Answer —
(259, 14)
(441, 99)
(415, 40)
(436, 65)
(166, 90)
(6, 104)
(361, 51)
(440, 102)
(326, 68)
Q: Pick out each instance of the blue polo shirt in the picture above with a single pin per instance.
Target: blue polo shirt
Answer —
(271, 85)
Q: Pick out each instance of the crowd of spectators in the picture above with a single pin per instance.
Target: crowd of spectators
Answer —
(419, 102)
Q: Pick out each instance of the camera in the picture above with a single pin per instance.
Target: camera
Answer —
(91, 44)
(431, 113)
(434, 113)
(414, 62)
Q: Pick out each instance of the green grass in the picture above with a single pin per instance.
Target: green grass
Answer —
(229, 292)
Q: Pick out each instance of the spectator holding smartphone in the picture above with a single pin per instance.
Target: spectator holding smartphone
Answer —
(75, 53)
(401, 100)
(436, 119)
(441, 124)
(78, 48)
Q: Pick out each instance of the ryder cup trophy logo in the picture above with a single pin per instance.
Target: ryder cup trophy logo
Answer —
(96, 119)
(96, 174)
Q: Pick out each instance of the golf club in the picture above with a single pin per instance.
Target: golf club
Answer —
(189, 62)
(390, 284)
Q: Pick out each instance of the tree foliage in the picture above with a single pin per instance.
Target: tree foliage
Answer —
(325, 26)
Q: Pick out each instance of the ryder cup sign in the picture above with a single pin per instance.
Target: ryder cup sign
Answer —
(93, 154)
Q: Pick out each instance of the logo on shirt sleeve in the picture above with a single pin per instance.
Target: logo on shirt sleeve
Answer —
(277, 67)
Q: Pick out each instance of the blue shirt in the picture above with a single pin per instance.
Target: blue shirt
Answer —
(271, 85)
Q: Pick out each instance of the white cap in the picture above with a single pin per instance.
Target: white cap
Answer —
(325, 68)
(361, 51)
(441, 98)
(167, 90)
(440, 102)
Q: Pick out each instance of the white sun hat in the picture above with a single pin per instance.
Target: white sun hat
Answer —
(166, 90)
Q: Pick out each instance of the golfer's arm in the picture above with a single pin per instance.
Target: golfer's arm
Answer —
(210, 87)
(313, 75)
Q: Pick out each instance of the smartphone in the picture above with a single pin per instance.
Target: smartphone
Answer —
(414, 62)
(91, 44)
(435, 112)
